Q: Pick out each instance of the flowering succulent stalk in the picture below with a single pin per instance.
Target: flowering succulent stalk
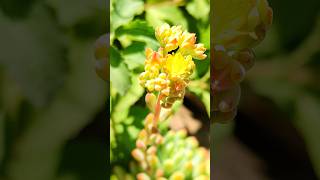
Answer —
(168, 70)
(234, 35)
(166, 75)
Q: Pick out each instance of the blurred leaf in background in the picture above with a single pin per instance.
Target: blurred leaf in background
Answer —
(51, 98)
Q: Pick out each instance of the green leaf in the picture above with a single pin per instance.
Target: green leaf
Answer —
(199, 9)
(119, 74)
(156, 16)
(125, 101)
(205, 37)
(134, 55)
(202, 66)
(129, 118)
(123, 11)
(136, 28)
(137, 31)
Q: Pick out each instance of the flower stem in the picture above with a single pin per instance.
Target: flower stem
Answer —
(157, 111)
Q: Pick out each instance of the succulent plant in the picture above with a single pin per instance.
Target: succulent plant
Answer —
(176, 157)
(166, 74)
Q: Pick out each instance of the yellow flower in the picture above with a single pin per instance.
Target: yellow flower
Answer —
(173, 38)
(176, 66)
(188, 47)
(168, 70)
(168, 37)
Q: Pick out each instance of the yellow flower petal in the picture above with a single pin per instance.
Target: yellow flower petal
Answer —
(176, 65)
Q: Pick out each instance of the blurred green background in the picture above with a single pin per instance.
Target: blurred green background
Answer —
(276, 132)
(53, 106)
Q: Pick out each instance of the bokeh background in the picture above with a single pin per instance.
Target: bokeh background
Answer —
(52, 104)
(276, 132)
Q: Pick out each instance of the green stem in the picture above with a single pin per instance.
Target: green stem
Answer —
(157, 111)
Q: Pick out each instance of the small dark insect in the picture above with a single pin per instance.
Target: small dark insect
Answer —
(174, 51)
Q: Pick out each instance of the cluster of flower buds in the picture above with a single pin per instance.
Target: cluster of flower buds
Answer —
(168, 70)
(173, 38)
(234, 36)
(147, 142)
(177, 157)
(101, 54)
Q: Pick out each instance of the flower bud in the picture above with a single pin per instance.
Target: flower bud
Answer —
(140, 144)
(152, 160)
(143, 135)
(192, 141)
(159, 173)
(152, 150)
(138, 154)
(166, 91)
(151, 101)
(188, 166)
(182, 133)
(143, 176)
(149, 119)
(159, 139)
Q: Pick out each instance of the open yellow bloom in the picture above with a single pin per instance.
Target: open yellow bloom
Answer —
(168, 70)
(176, 66)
